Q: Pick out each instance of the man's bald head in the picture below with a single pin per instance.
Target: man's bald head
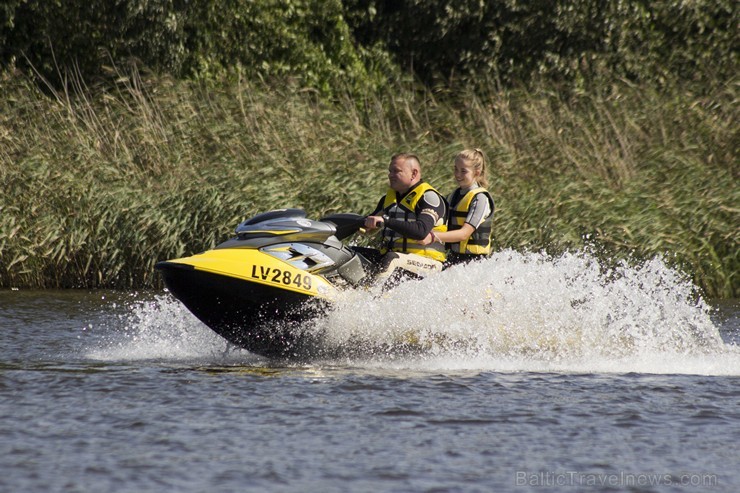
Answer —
(404, 172)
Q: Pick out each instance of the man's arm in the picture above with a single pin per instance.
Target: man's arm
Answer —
(373, 221)
(416, 230)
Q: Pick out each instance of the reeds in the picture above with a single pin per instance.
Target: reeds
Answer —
(99, 184)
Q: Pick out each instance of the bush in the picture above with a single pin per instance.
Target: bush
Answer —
(305, 39)
(514, 41)
(335, 45)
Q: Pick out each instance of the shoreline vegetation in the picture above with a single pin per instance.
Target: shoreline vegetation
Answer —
(98, 185)
(614, 133)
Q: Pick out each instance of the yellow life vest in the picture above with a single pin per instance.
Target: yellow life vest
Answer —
(479, 243)
(405, 211)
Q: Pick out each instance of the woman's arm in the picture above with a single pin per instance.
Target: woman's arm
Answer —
(450, 236)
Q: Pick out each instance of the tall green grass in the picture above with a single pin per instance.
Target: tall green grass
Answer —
(99, 184)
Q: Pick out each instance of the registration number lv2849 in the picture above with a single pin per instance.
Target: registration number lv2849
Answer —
(280, 276)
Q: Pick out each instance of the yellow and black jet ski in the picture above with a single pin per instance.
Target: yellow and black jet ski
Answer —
(281, 269)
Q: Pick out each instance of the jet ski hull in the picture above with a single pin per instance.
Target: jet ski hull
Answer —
(263, 319)
(251, 299)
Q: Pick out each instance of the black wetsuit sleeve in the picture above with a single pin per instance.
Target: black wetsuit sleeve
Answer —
(416, 230)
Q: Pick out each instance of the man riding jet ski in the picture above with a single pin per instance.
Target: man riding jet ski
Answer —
(410, 210)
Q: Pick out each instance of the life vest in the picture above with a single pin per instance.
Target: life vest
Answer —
(479, 243)
(405, 211)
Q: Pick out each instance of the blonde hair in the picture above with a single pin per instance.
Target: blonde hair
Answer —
(476, 159)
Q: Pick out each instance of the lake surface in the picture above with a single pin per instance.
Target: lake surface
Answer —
(578, 379)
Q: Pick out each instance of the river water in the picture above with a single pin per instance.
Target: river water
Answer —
(573, 377)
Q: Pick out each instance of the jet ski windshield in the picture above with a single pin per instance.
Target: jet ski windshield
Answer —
(286, 224)
(274, 214)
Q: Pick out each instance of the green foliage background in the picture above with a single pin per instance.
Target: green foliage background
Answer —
(329, 44)
(138, 130)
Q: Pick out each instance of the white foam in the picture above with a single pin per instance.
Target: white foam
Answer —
(161, 329)
(529, 312)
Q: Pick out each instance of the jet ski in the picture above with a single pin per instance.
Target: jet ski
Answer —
(258, 289)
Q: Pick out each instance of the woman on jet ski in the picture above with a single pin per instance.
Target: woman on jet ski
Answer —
(468, 235)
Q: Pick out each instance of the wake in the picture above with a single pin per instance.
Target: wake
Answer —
(512, 312)
(531, 312)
